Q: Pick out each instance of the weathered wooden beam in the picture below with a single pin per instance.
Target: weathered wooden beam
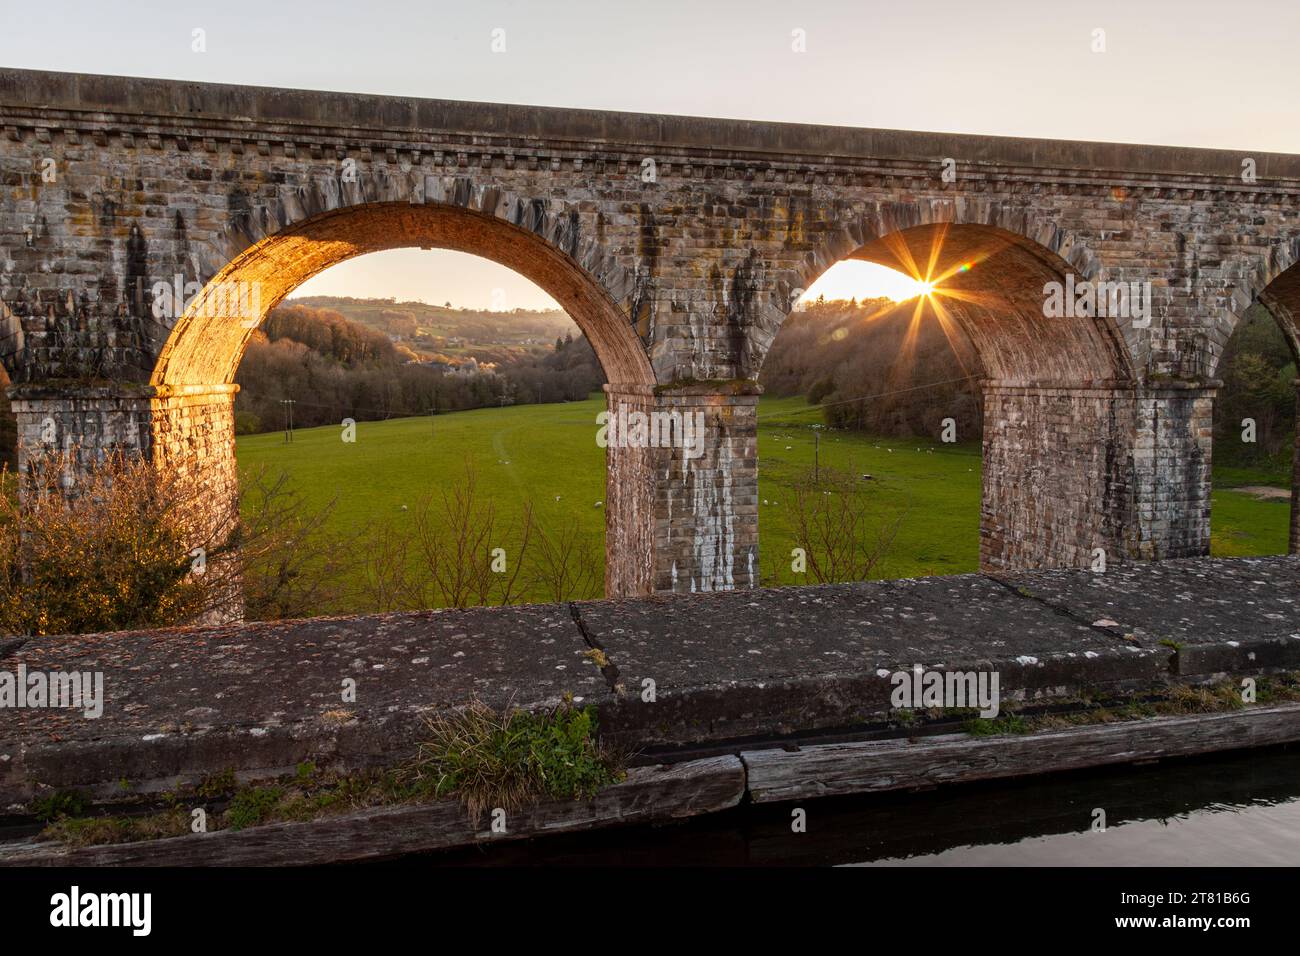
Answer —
(665, 792)
(876, 766)
(649, 794)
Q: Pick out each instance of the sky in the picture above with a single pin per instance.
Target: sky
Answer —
(1190, 73)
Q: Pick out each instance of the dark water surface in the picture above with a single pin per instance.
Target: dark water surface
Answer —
(1241, 809)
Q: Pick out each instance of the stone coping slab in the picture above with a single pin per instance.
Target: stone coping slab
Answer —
(184, 703)
(1218, 615)
(780, 661)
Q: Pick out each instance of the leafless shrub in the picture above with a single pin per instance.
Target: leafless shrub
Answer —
(462, 555)
(566, 565)
(290, 559)
(840, 523)
(112, 544)
(385, 579)
(444, 552)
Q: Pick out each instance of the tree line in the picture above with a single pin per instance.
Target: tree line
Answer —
(855, 361)
(872, 368)
(333, 368)
(1258, 373)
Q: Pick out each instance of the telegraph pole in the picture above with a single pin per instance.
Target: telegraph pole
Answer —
(288, 404)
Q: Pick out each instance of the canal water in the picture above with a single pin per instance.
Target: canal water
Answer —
(1241, 809)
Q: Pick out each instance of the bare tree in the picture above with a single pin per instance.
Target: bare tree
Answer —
(462, 555)
(452, 531)
(384, 582)
(503, 586)
(454, 550)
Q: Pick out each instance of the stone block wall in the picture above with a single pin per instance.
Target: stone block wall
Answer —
(702, 258)
(1057, 464)
(629, 503)
(706, 507)
(1295, 481)
(1171, 472)
(193, 429)
(83, 423)
(1125, 469)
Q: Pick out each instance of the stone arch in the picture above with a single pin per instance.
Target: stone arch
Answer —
(12, 343)
(1272, 281)
(1015, 254)
(1275, 285)
(314, 226)
(1058, 393)
(274, 249)
(11, 355)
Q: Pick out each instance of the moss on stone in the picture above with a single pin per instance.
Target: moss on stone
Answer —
(1178, 701)
(484, 758)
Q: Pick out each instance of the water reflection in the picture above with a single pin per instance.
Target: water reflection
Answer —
(1242, 809)
(1251, 834)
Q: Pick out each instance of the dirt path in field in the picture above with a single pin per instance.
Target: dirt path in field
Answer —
(499, 446)
(1264, 492)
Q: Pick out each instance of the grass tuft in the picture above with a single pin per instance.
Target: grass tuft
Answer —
(506, 760)
(1179, 700)
(252, 807)
(485, 758)
(991, 726)
(65, 803)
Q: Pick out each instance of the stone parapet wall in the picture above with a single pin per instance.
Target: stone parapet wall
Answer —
(181, 704)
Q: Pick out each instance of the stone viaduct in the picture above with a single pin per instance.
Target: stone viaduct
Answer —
(678, 245)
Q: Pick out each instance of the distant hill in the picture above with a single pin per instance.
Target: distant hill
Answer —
(332, 335)
(450, 335)
(333, 366)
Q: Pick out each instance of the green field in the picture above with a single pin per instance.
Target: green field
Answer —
(547, 454)
(933, 488)
(1244, 525)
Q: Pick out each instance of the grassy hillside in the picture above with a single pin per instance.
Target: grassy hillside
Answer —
(1247, 523)
(547, 453)
(537, 452)
(452, 334)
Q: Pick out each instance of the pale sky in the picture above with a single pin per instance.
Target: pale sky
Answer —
(1189, 73)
